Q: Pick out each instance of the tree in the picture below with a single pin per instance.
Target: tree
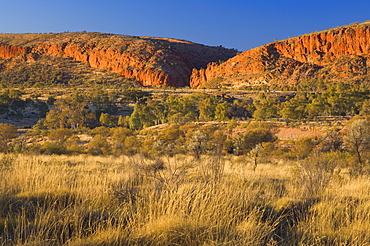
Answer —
(70, 114)
(141, 117)
(365, 107)
(136, 96)
(170, 140)
(178, 109)
(159, 110)
(266, 107)
(298, 103)
(217, 140)
(303, 147)
(98, 145)
(315, 108)
(132, 144)
(108, 120)
(207, 110)
(197, 142)
(60, 135)
(357, 138)
(250, 139)
(7, 132)
(221, 112)
(288, 114)
(258, 136)
(102, 99)
(254, 154)
(135, 118)
(242, 109)
(119, 136)
(53, 120)
(123, 121)
(331, 141)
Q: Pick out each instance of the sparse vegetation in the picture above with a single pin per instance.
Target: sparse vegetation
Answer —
(49, 71)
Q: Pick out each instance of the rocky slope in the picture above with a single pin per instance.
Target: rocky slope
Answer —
(151, 61)
(341, 53)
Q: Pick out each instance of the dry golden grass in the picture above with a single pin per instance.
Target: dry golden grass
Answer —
(85, 200)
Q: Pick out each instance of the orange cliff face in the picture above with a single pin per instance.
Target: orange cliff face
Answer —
(336, 54)
(11, 51)
(151, 61)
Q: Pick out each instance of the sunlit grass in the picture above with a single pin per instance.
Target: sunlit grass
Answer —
(85, 200)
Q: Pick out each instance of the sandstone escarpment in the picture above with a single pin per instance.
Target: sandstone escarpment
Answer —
(151, 61)
(11, 51)
(336, 54)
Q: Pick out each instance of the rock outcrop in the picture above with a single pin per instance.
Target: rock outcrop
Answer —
(337, 54)
(151, 61)
(7, 51)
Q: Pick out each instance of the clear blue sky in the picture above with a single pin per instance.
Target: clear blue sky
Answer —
(239, 24)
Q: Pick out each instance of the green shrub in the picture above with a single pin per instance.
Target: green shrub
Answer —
(50, 148)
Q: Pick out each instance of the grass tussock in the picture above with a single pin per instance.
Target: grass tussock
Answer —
(84, 200)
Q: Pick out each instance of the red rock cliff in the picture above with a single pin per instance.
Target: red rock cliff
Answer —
(337, 52)
(11, 51)
(151, 61)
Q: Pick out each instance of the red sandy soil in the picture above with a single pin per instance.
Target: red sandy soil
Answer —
(292, 133)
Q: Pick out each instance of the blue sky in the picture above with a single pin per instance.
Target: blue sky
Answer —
(239, 24)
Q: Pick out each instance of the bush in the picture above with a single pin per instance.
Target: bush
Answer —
(60, 135)
(50, 148)
(247, 141)
(7, 132)
(98, 145)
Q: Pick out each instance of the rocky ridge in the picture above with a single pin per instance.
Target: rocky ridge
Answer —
(338, 54)
(151, 61)
(341, 53)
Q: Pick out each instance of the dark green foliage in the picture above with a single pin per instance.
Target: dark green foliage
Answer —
(70, 114)
(266, 107)
(207, 109)
(108, 120)
(243, 143)
(135, 96)
(103, 100)
(241, 109)
(337, 99)
(7, 133)
(179, 110)
(171, 109)
(141, 117)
